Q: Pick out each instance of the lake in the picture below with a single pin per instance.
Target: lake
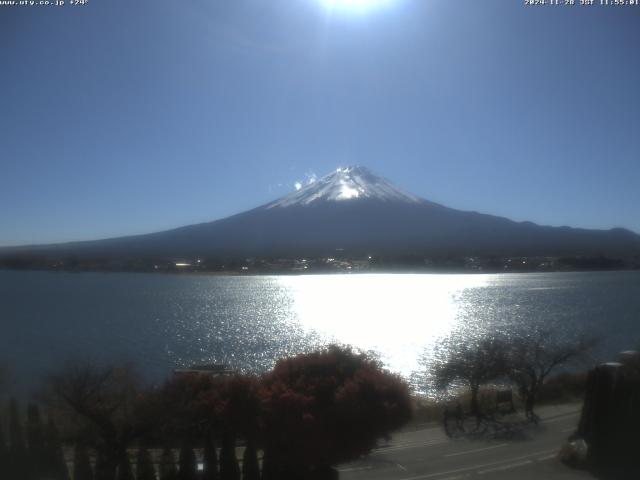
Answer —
(162, 321)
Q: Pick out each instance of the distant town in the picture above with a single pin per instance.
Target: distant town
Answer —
(327, 264)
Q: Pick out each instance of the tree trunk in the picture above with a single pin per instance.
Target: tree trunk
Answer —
(475, 408)
(531, 403)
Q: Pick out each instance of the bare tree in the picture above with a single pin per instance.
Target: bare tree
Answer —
(473, 361)
(532, 358)
(107, 405)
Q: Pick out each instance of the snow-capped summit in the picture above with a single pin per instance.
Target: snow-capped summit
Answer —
(346, 184)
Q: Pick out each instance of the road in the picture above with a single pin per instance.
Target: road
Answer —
(427, 453)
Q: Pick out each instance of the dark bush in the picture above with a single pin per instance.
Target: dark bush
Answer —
(329, 407)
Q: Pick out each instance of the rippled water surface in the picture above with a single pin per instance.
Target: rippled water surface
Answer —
(161, 321)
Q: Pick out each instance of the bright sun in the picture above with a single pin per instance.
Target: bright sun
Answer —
(354, 5)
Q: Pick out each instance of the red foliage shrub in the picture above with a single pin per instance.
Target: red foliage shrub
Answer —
(328, 407)
(238, 404)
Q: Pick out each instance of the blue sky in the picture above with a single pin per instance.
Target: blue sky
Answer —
(124, 117)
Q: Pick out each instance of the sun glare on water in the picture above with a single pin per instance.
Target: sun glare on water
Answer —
(394, 315)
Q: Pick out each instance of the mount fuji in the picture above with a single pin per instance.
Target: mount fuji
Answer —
(349, 183)
(353, 211)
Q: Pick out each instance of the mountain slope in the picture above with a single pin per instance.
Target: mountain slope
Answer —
(356, 212)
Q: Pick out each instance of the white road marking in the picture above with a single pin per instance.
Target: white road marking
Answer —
(407, 446)
(476, 467)
(504, 467)
(425, 426)
(561, 418)
(355, 469)
(547, 457)
(476, 450)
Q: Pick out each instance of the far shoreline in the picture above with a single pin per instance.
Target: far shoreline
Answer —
(313, 273)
